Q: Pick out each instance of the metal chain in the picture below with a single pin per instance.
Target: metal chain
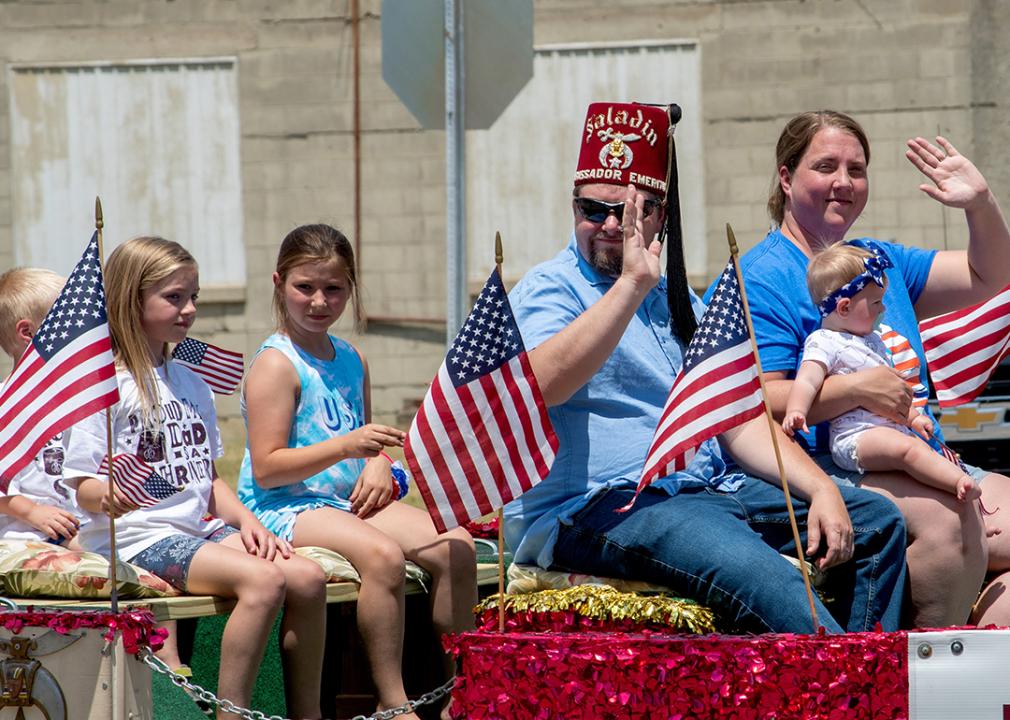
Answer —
(199, 694)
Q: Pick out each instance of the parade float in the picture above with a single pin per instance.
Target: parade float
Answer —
(581, 647)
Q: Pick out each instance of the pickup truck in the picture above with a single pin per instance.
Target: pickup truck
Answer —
(980, 431)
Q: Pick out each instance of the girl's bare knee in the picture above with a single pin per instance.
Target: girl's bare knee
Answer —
(305, 580)
(264, 588)
(461, 541)
(909, 451)
(384, 563)
(460, 551)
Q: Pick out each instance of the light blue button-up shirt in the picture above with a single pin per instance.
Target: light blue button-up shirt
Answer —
(606, 427)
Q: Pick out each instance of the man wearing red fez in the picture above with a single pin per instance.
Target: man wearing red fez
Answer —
(608, 334)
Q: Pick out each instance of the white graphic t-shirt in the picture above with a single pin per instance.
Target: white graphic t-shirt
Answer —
(181, 448)
(41, 481)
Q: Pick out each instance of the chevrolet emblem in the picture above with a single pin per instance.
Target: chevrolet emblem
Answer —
(968, 418)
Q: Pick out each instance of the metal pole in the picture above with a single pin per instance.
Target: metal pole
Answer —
(455, 167)
(356, 34)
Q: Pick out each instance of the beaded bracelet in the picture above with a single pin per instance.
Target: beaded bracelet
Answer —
(401, 480)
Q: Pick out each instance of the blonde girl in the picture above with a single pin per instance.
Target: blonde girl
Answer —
(201, 539)
(314, 471)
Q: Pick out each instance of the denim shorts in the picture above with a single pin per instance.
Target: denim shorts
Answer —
(170, 557)
(854, 478)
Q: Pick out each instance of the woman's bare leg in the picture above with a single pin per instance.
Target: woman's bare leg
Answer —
(947, 551)
(450, 558)
(996, 500)
(168, 653)
(993, 606)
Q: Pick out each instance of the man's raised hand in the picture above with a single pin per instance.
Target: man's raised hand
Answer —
(641, 263)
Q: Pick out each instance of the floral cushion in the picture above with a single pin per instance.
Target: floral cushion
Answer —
(30, 569)
(339, 569)
(530, 578)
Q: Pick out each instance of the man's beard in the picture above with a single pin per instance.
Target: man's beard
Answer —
(608, 262)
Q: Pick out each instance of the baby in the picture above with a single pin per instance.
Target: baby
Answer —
(847, 283)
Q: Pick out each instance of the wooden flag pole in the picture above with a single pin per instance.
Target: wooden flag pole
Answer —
(113, 559)
(499, 258)
(734, 251)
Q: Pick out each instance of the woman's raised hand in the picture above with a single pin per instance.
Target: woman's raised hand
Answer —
(955, 181)
(368, 440)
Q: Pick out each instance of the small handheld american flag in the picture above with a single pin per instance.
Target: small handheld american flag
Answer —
(717, 389)
(948, 454)
(219, 368)
(482, 435)
(65, 374)
(138, 480)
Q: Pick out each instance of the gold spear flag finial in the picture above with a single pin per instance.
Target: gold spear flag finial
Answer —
(98, 213)
(499, 256)
(732, 241)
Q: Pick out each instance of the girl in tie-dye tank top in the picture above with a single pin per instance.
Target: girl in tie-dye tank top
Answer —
(314, 469)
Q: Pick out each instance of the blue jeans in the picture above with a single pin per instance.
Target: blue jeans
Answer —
(723, 550)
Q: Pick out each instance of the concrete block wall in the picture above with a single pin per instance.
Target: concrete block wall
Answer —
(902, 67)
(295, 75)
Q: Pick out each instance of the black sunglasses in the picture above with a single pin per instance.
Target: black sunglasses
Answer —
(597, 211)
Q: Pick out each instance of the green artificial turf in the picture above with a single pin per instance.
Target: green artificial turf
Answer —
(171, 703)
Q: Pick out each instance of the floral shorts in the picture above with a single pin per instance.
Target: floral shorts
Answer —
(170, 558)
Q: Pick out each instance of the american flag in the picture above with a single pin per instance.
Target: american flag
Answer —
(482, 436)
(138, 480)
(717, 389)
(964, 347)
(906, 362)
(221, 369)
(65, 374)
(947, 453)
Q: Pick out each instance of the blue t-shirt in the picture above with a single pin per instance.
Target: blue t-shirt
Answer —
(775, 278)
(606, 427)
(330, 403)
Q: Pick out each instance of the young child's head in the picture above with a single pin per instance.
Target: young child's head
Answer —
(133, 272)
(327, 253)
(847, 284)
(26, 294)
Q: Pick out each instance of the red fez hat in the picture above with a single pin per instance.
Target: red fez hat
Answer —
(632, 143)
(626, 143)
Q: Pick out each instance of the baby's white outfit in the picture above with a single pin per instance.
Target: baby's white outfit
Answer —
(843, 353)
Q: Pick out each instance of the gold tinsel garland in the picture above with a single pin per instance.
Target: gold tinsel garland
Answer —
(599, 602)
